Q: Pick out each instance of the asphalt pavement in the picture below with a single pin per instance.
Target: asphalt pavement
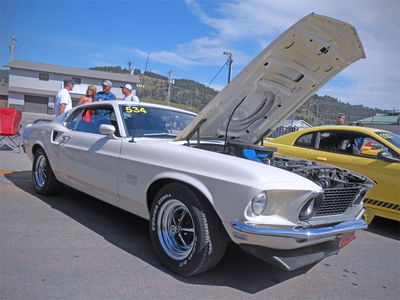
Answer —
(73, 246)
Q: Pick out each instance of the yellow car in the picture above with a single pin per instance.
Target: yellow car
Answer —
(374, 153)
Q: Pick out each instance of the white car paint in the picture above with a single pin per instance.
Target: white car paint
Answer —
(123, 171)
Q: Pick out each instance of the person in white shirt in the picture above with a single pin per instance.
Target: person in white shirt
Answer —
(63, 100)
(129, 95)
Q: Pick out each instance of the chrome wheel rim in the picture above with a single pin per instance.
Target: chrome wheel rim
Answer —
(175, 228)
(40, 171)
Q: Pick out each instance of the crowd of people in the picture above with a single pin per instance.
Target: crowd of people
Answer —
(63, 101)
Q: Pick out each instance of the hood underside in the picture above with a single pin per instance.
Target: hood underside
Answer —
(278, 81)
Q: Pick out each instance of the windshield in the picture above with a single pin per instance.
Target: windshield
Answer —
(141, 121)
(391, 137)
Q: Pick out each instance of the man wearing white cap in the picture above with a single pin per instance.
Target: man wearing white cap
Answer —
(129, 95)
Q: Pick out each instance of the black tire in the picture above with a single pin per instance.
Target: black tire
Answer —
(44, 181)
(205, 246)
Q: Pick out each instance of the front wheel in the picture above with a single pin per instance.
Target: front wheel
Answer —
(187, 237)
(44, 181)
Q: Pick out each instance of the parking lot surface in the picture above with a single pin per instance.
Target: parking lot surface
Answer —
(74, 246)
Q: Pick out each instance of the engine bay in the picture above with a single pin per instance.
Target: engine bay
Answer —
(326, 176)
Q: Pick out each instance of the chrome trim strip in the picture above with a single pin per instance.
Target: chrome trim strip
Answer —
(303, 233)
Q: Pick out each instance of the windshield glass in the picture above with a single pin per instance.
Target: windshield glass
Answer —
(141, 121)
(390, 137)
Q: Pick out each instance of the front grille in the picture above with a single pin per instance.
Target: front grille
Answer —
(337, 201)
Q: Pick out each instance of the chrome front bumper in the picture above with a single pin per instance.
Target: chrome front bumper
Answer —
(303, 233)
(290, 238)
(293, 248)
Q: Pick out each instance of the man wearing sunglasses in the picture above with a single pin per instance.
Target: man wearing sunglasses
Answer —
(106, 94)
(340, 119)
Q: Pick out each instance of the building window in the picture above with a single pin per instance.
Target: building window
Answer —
(77, 80)
(44, 76)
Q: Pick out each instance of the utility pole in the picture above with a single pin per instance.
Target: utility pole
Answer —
(229, 62)
(147, 62)
(169, 87)
(12, 47)
(130, 67)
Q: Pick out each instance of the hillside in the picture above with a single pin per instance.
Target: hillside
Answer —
(317, 110)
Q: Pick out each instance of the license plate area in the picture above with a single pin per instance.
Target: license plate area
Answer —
(346, 238)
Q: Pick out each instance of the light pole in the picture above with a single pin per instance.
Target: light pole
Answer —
(229, 61)
(12, 48)
(169, 87)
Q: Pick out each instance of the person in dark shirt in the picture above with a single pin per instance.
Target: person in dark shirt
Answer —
(340, 119)
(106, 93)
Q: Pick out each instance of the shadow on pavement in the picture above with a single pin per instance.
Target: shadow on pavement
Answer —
(237, 269)
(385, 227)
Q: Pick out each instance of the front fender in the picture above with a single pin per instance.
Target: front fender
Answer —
(196, 183)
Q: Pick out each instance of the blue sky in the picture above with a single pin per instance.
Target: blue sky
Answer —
(190, 36)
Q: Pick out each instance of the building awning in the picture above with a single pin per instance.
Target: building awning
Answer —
(70, 71)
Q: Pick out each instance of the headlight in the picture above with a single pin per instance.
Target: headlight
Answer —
(311, 207)
(259, 203)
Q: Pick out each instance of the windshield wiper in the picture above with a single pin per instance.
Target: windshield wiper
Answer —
(161, 134)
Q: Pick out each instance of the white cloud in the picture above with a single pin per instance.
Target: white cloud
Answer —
(215, 86)
(376, 79)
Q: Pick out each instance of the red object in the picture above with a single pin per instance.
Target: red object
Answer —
(10, 120)
(346, 238)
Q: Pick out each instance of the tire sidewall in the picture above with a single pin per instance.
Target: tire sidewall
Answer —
(201, 243)
(45, 187)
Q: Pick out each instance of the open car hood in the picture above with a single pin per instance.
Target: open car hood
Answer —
(278, 81)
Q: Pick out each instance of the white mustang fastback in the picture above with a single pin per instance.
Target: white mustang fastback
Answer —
(205, 180)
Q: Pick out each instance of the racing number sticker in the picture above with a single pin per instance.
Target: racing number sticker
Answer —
(385, 136)
(135, 110)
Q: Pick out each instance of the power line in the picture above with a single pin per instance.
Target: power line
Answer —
(217, 73)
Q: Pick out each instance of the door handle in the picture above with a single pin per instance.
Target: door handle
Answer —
(321, 158)
(63, 139)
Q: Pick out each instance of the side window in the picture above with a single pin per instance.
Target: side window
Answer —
(351, 143)
(89, 120)
(371, 147)
(306, 140)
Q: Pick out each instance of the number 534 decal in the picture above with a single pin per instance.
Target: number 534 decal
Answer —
(135, 110)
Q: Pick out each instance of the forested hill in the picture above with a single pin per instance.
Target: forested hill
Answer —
(317, 110)
(324, 109)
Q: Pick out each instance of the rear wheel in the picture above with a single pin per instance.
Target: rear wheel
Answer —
(187, 237)
(44, 181)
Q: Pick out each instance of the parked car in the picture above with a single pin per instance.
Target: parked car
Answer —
(195, 178)
(375, 153)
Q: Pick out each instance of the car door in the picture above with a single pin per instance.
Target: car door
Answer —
(90, 159)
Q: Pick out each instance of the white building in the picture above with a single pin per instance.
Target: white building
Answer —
(299, 124)
(33, 86)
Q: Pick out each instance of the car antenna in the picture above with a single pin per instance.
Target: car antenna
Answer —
(229, 121)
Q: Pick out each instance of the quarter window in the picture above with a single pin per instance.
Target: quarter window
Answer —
(306, 140)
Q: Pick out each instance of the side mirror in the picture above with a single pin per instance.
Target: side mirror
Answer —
(109, 130)
(385, 155)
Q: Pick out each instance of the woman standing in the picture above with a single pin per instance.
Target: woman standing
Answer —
(90, 93)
